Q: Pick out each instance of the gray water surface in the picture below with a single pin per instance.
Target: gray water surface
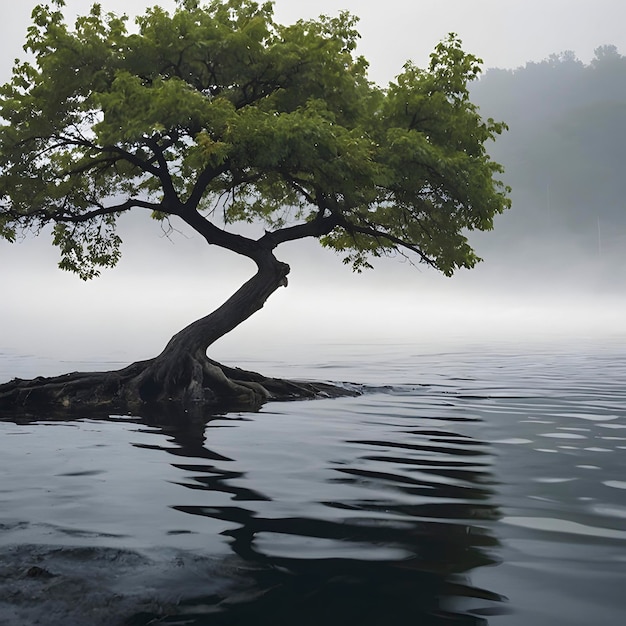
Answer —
(480, 484)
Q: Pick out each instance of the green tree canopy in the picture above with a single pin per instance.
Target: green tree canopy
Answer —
(219, 106)
(215, 115)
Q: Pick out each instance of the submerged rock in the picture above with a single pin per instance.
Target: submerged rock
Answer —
(101, 586)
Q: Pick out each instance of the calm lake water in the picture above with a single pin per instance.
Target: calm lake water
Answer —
(475, 484)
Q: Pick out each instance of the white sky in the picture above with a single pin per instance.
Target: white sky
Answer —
(504, 33)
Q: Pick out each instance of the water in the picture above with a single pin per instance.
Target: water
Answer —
(479, 484)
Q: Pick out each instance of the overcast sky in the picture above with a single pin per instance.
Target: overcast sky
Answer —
(504, 33)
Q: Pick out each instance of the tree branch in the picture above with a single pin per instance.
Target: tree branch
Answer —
(372, 231)
(163, 172)
(60, 215)
(109, 210)
(69, 141)
(217, 236)
(204, 179)
(318, 227)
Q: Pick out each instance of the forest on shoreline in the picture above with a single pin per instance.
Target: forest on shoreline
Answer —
(564, 156)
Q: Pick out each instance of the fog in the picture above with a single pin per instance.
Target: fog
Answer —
(162, 284)
(535, 283)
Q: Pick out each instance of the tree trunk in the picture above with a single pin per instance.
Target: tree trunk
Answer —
(182, 376)
(183, 373)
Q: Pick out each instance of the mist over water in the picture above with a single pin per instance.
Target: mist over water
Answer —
(131, 312)
(161, 285)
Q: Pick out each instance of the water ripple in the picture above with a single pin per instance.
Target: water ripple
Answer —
(458, 480)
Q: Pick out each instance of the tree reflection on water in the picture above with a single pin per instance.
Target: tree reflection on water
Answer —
(397, 548)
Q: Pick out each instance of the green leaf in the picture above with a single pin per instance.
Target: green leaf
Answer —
(217, 105)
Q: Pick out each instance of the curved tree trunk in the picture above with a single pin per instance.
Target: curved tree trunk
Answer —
(182, 376)
(183, 373)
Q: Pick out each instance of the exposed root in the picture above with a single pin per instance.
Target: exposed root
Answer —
(189, 383)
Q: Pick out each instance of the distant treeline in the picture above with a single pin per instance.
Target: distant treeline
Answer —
(565, 152)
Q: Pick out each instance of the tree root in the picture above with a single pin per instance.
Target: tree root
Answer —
(190, 383)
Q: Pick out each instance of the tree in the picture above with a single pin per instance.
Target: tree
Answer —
(216, 115)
